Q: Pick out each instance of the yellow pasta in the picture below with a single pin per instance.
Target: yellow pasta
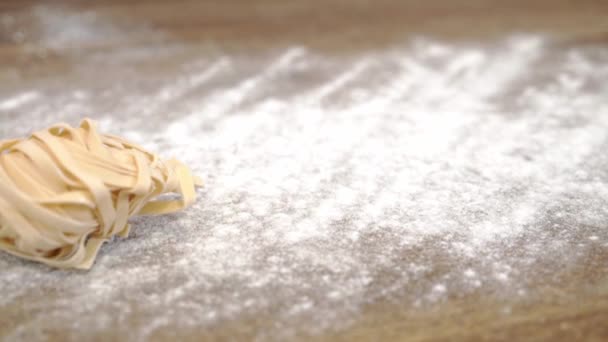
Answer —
(66, 190)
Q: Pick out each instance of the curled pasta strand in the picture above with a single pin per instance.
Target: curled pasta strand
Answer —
(64, 191)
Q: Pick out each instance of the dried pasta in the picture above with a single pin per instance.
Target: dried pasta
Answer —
(66, 190)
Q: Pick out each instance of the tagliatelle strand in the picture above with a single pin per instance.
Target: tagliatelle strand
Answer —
(66, 190)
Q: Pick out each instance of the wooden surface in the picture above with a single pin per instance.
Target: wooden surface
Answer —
(565, 305)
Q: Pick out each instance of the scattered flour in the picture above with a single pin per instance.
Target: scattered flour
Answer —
(413, 173)
(19, 100)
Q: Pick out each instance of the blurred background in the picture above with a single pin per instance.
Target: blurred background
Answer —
(375, 170)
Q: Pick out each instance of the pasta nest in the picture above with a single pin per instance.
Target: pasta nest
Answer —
(66, 190)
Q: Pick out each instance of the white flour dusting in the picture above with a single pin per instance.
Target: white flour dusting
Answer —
(19, 100)
(412, 174)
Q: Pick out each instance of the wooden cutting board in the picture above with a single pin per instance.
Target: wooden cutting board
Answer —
(191, 77)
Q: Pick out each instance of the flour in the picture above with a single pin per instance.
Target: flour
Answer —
(18, 100)
(411, 174)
